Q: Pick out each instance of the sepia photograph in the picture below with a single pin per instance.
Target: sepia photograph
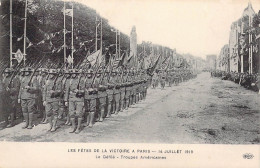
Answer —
(119, 73)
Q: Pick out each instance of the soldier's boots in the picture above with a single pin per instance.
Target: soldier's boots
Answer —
(30, 121)
(79, 125)
(68, 120)
(117, 108)
(91, 121)
(50, 123)
(45, 120)
(102, 114)
(26, 118)
(109, 110)
(54, 124)
(11, 124)
(73, 125)
(87, 119)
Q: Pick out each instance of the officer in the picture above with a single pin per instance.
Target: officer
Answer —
(74, 99)
(102, 94)
(60, 81)
(91, 95)
(27, 95)
(51, 98)
(10, 90)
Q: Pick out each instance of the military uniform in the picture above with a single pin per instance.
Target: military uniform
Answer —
(27, 95)
(162, 79)
(110, 94)
(41, 79)
(91, 95)
(115, 80)
(51, 98)
(10, 89)
(123, 91)
(74, 98)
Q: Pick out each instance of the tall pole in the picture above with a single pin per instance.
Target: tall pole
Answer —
(72, 34)
(116, 46)
(96, 34)
(11, 33)
(242, 56)
(101, 34)
(24, 36)
(64, 32)
(119, 53)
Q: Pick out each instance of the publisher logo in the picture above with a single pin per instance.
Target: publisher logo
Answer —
(248, 156)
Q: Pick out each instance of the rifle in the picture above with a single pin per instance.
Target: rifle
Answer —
(38, 66)
(14, 73)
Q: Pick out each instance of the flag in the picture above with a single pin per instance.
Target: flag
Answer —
(18, 56)
(30, 44)
(20, 38)
(151, 70)
(68, 12)
(70, 60)
(122, 60)
(93, 58)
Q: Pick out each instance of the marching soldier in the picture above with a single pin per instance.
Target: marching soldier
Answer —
(91, 95)
(162, 78)
(10, 89)
(27, 95)
(51, 98)
(74, 99)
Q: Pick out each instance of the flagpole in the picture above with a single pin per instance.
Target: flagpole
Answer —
(116, 45)
(96, 35)
(119, 53)
(24, 36)
(64, 32)
(11, 33)
(101, 34)
(72, 45)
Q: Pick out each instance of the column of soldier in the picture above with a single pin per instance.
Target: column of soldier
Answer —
(249, 81)
(171, 77)
(80, 97)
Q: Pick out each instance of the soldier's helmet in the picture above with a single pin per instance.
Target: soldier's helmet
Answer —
(114, 72)
(90, 71)
(26, 69)
(74, 71)
(53, 71)
(9, 70)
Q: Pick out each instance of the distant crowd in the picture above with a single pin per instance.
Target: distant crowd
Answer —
(249, 81)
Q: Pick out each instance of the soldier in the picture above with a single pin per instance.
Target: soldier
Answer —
(128, 89)
(74, 99)
(123, 90)
(162, 78)
(154, 80)
(51, 98)
(27, 95)
(110, 93)
(133, 87)
(10, 90)
(60, 81)
(65, 85)
(115, 80)
(91, 95)
(102, 95)
(41, 79)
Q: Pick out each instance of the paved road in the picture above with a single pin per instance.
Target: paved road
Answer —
(202, 110)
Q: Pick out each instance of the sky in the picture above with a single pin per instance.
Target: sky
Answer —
(198, 27)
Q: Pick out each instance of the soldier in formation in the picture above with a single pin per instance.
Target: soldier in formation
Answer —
(76, 96)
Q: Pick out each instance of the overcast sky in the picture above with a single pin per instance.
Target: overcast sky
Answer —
(197, 27)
